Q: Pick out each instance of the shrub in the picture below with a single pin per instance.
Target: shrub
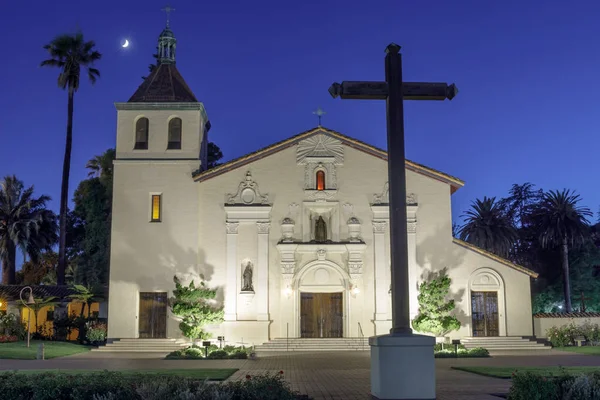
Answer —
(10, 325)
(462, 353)
(435, 311)
(218, 355)
(113, 385)
(530, 386)
(214, 353)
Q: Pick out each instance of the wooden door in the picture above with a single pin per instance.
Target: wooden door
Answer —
(484, 312)
(153, 315)
(321, 315)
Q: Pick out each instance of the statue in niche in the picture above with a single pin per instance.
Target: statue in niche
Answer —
(247, 276)
(320, 230)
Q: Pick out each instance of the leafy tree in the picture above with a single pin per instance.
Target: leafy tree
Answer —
(518, 207)
(69, 53)
(33, 273)
(102, 166)
(560, 221)
(25, 223)
(214, 155)
(192, 305)
(434, 310)
(488, 227)
(90, 222)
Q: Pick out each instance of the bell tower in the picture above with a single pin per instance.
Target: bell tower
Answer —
(161, 142)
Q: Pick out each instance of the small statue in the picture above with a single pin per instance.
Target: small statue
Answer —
(247, 287)
(320, 230)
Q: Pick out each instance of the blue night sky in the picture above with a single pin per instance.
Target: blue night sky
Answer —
(527, 74)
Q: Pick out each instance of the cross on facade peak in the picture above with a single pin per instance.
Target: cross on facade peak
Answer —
(168, 10)
(319, 113)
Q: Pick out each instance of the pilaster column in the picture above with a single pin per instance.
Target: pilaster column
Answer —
(262, 273)
(382, 281)
(413, 270)
(232, 271)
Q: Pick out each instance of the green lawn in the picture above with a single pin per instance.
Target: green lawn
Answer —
(211, 374)
(590, 350)
(506, 372)
(19, 350)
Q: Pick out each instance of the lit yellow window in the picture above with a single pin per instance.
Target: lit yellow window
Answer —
(155, 208)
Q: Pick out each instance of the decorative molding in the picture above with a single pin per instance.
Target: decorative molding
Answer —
(320, 195)
(384, 197)
(411, 199)
(320, 146)
(310, 175)
(288, 267)
(348, 210)
(355, 267)
(411, 227)
(379, 226)
(321, 254)
(294, 209)
(247, 193)
(232, 227)
(263, 227)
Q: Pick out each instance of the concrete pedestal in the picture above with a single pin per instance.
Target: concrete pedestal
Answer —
(402, 367)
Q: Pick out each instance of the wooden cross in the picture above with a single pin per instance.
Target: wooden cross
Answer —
(583, 299)
(394, 91)
(319, 113)
(168, 10)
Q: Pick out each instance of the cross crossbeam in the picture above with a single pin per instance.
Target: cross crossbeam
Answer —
(395, 91)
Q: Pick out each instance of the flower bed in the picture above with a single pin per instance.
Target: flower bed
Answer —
(8, 338)
(114, 386)
(214, 353)
(567, 335)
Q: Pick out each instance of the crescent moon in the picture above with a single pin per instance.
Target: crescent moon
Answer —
(126, 43)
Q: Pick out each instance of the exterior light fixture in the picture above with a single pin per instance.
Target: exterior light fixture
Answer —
(288, 292)
(355, 290)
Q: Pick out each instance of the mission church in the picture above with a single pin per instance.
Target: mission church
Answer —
(294, 237)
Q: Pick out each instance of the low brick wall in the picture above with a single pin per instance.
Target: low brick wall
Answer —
(543, 322)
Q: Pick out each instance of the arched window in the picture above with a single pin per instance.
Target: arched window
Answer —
(141, 134)
(320, 180)
(174, 134)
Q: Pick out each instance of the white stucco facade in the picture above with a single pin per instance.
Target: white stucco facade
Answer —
(260, 211)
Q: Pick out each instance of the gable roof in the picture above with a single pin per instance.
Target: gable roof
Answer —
(239, 162)
(494, 257)
(164, 84)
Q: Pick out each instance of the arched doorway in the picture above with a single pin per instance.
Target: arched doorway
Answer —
(487, 303)
(322, 302)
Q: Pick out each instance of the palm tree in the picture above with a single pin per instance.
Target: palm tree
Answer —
(561, 221)
(69, 53)
(102, 165)
(488, 227)
(25, 223)
(86, 295)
